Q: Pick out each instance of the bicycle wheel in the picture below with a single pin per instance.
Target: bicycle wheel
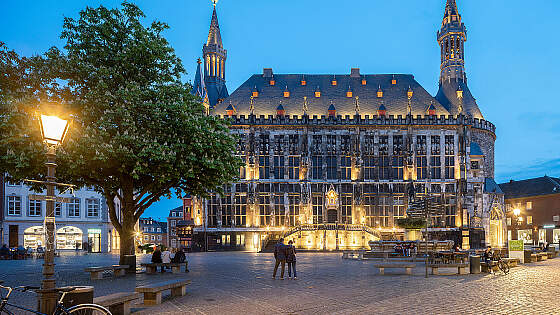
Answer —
(88, 309)
(504, 267)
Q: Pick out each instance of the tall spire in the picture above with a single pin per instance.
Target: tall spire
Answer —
(451, 38)
(199, 88)
(215, 62)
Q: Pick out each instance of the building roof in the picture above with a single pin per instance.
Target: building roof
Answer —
(531, 187)
(447, 96)
(214, 36)
(475, 149)
(178, 209)
(394, 95)
(490, 186)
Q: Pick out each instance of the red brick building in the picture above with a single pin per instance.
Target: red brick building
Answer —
(533, 209)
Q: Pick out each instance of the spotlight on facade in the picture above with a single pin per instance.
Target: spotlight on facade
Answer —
(516, 212)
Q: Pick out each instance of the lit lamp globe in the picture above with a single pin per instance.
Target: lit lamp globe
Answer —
(53, 129)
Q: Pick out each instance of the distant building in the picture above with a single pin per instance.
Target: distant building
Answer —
(329, 158)
(175, 215)
(152, 232)
(82, 221)
(533, 209)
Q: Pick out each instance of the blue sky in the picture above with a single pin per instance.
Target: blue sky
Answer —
(510, 53)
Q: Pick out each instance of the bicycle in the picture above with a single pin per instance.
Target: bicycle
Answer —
(80, 309)
(502, 265)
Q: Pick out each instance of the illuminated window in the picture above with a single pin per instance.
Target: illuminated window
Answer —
(286, 94)
(364, 82)
(349, 94)
(255, 94)
(303, 82)
(272, 82)
(317, 94)
(529, 205)
(379, 93)
(333, 82)
(529, 219)
(394, 81)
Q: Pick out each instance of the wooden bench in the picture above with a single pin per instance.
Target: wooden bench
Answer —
(512, 262)
(461, 268)
(118, 303)
(97, 272)
(151, 268)
(152, 292)
(406, 267)
(542, 256)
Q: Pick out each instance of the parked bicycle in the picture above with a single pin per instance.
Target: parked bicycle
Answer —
(502, 265)
(80, 309)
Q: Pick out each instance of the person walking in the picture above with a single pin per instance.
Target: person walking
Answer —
(280, 256)
(291, 259)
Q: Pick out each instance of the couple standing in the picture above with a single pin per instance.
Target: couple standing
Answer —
(285, 254)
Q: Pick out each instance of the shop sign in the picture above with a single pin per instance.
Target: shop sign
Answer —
(94, 231)
(515, 248)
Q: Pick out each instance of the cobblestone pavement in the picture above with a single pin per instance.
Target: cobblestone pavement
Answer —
(234, 282)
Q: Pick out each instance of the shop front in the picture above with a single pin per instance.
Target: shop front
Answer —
(67, 237)
(94, 240)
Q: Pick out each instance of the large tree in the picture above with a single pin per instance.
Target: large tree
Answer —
(138, 134)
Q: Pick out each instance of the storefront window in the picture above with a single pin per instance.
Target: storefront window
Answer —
(94, 240)
(34, 237)
(556, 236)
(69, 237)
(525, 235)
(542, 236)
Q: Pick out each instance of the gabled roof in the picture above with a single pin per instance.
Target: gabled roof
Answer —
(531, 187)
(475, 149)
(394, 96)
(490, 186)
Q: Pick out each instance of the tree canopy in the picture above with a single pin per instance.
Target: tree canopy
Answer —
(137, 134)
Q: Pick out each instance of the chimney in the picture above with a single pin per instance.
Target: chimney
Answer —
(355, 72)
(267, 72)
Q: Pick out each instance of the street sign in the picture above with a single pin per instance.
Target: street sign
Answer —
(46, 198)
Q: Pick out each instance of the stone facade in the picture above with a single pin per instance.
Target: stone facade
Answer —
(329, 159)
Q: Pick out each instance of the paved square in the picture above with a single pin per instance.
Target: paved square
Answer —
(235, 282)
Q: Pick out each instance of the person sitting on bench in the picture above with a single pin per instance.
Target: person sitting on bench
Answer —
(488, 254)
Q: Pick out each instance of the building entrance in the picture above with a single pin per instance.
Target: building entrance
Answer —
(94, 240)
(13, 239)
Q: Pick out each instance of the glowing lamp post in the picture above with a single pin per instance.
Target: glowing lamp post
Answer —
(53, 130)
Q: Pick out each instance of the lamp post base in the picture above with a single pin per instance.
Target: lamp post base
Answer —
(47, 301)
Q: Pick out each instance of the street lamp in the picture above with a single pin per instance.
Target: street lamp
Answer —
(53, 131)
(516, 212)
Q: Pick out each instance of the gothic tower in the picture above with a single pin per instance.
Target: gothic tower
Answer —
(453, 92)
(214, 63)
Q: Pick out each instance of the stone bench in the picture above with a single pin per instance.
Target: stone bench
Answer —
(406, 267)
(151, 268)
(96, 273)
(484, 266)
(542, 256)
(512, 262)
(152, 292)
(461, 268)
(118, 303)
(353, 254)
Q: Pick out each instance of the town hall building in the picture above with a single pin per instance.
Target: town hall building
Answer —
(329, 158)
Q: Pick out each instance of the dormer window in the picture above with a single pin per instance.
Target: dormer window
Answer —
(409, 93)
(394, 81)
(280, 111)
(286, 92)
(333, 81)
(317, 94)
(230, 110)
(382, 110)
(255, 94)
(348, 93)
(303, 82)
(379, 92)
(332, 110)
(272, 82)
(364, 81)
(432, 110)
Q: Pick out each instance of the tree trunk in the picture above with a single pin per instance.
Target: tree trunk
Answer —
(127, 242)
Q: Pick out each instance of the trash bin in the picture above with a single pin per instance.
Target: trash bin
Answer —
(81, 295)
(129, 260)
(474, 263)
